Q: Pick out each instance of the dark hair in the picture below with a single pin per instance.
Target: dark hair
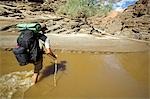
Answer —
(43, 27)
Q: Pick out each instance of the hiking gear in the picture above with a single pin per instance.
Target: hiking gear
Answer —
(29, 41)
(36, 27)
(21, 55)
(55, 72)
(26, 38)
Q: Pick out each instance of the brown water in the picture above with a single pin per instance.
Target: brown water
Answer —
(87, 75)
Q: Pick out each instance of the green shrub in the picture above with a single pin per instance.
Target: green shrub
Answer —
(84, 8)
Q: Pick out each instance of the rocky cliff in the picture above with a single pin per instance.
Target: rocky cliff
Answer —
(133, 22)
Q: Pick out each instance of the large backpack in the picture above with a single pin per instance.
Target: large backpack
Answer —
(28, 47)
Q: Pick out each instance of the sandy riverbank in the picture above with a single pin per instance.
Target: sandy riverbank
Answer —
(85, 42)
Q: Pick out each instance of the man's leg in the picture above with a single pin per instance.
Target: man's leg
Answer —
(37, 67)
(35, 77)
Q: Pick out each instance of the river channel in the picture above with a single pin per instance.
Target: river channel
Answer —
(80, 75)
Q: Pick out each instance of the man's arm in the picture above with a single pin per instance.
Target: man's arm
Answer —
(47, 45)
(50, 53)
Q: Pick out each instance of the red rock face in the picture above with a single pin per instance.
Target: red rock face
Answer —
(136, 20)
(133, 22)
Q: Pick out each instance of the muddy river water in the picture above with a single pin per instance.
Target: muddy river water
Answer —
(81, 75)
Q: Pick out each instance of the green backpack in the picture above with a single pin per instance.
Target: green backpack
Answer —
(36, 27)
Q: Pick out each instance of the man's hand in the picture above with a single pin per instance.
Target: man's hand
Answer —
(54, 56)
(50, 53)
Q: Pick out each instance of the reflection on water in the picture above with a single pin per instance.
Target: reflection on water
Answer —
(88, 75)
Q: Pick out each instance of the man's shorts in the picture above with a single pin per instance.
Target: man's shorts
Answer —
(38, 65)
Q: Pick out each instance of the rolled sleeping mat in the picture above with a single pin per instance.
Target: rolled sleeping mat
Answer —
(36, 27)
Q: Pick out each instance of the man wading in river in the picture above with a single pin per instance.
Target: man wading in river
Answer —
(31, 44)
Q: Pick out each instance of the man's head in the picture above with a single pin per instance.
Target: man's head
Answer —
(43, 27)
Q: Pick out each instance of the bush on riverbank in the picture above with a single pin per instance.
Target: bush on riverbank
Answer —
(85, 8)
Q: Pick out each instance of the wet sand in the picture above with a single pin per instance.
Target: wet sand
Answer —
(87, 75)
